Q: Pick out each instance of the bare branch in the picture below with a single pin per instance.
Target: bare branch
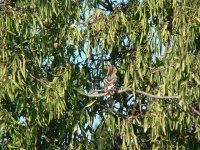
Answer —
(97, 95)
(124, 90)
(195, 111)
(137, 91)
(159, 97)
(148, 94)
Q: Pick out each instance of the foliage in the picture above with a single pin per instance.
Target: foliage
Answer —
(52, 55)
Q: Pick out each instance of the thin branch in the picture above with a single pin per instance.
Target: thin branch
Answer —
(42, 81)
(137, 91)
(140, 92)
(195, 111)
(99, 90)
(97, 95)
(155, 70)
(148, 94)
(131, 117)
(159, 97)
(113, 112)
(124, 90)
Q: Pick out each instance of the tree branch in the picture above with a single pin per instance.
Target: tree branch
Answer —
(113, 112)
(96, 95)
(159, 97)
(195, 111)
(137, 91)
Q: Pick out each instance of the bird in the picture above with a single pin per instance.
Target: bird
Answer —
(110, 82)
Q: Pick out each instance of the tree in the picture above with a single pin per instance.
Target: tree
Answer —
(52, 60)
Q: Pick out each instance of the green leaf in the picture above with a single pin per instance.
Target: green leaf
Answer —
(90, 104)
(81, 91)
